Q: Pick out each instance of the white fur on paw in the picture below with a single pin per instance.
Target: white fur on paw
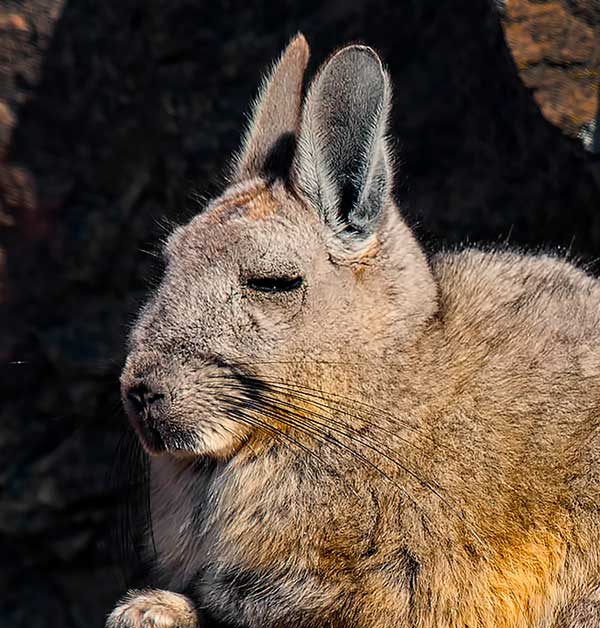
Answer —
(153, 608)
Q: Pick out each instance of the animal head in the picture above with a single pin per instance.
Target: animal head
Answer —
(303, 260)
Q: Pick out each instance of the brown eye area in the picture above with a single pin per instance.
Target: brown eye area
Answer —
(275, 284)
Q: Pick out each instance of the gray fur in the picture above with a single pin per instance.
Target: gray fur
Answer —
(430, 455)
(342, 160)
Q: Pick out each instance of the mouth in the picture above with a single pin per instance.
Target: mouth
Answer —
(193, 421)
(150, 438)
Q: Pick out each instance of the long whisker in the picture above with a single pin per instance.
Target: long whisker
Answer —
(428, 526)
(349, 433)
(233, 411)
(325, 438)
(320, 436)
(349, 400)
(236, 413)
(130, 474)
(300, 392)
(311, 394)
(246, 418)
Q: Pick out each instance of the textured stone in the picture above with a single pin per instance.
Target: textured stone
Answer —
(556, 46)
(118, 111)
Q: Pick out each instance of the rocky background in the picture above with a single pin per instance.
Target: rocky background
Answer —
(116, 116)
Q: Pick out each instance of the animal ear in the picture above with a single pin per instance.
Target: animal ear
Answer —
(341, 162)
(270, 139)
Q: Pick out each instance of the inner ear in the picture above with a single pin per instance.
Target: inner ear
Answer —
(342, 163)
(275, 118)
(278, 161)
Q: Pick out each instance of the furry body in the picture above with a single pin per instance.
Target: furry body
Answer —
(345, 433)
(505, 390)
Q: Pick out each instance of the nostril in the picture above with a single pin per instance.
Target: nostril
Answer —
(141, 397)
(137, 400)
(153, 397)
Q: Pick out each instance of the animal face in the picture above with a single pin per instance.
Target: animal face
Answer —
(302, 258)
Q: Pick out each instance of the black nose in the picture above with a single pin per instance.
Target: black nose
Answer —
(143, 397)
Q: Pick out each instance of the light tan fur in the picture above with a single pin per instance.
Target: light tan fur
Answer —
(378, 439)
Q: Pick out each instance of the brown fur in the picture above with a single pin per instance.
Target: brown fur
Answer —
(255, 203)
(396, 441)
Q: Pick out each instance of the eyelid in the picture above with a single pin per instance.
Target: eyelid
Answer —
(274, 284)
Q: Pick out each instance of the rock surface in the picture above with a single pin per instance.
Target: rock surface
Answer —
(111, 113)
(556, 45)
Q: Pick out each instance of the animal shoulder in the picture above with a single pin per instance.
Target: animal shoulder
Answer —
(540, 293)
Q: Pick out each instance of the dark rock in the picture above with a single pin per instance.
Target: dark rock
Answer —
(112, 113)
(556, 46)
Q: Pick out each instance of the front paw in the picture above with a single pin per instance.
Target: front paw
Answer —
(153, 608)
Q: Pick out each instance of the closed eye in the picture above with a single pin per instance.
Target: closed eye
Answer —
(275, 284)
